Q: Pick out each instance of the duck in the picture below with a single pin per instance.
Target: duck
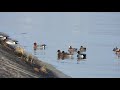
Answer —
(64, 55)
(59, 54)
(72, 50)
(115, 49)
(11, 42)
(82, 49)
(42, 46)
(2, 37)
(35, 46)
(6, 41)
(80, 55)
(117, 52)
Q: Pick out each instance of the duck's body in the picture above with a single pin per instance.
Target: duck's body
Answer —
(5, 38)
(42, 46)
(11, 42)
(67, 55)
(81, 55)
(117, 52)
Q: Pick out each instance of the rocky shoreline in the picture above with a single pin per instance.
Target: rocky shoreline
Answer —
(13, 66)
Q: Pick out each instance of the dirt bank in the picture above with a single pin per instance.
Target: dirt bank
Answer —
(12, 66)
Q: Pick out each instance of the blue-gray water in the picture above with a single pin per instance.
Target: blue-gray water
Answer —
(98, 31)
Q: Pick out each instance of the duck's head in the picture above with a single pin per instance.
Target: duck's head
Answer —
(114, 49)
(81, 46)
(35, 43)
(58, 51)
(70, 47)
(63, 51)
(44, 45)
(78, 52)
(16, 42)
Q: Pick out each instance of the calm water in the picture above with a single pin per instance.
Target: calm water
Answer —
(99, 32)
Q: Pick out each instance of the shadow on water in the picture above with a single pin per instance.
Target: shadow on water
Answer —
(80, 60)
(64, 58)
(35, 52)
(39, 52)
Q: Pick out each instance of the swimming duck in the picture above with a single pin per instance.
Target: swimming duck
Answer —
(81, 56)
(116, 49)
(82, 49)
(66, 55)
(72, 50)
(42, 46)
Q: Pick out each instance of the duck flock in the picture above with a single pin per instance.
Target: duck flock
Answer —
(61, 55)
(72, 51)
(81, 52)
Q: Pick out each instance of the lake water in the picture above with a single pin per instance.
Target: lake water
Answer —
(99, 32)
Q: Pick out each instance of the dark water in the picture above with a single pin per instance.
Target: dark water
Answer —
(98, 32)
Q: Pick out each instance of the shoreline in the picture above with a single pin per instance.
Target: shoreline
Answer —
(13, 66)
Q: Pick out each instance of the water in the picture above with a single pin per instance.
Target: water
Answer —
(98, 31)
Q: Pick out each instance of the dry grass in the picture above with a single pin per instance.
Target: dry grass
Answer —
(19, 51)
(36, 70)
(43, 69)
